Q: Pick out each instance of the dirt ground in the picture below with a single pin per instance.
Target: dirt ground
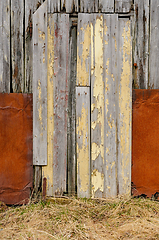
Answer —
(81, 219)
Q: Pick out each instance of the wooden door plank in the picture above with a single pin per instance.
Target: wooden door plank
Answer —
(5, 46)
(124, 106)
(61, 66)
(110, 78)
(83, 50)
(83, 140)
(30, 8)
(106, 6)
(141, 44)
(71, 127)
(17, 45)
(97, 107)
(47, 171)
(40, 86)
(123, 6)
(154, 45)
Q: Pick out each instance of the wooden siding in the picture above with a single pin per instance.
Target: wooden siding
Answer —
(40, 86)
(70, 6)
(5, 46)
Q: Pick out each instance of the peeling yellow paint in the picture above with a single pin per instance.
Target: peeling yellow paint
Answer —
(125, 111)
(40, 107)
(97, 182)
(83, 151)
(41, 34)
(98, 88)
(48, 170)
(83, 65)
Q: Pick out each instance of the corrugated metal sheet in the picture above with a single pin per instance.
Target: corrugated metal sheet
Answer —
(145, 140)
(16, 167)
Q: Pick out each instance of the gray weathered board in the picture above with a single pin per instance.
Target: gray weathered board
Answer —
(122, 6)
(141, 44)
(154, 45)
(61, 73)
(83, 141)
(5, 46)
(40, 86)
(17, 45)
(109, 39)
(124, 106)
(30, 7)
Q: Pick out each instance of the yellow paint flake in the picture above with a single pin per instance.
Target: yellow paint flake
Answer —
(97, 182)
(41, 35)
(83, 152)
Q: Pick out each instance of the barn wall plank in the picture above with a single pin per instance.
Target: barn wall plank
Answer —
(154, 45)
(5, 46)
(141, 44)
(83, 140)
(54, 6)
(71, 131)
(30, 7)
(106, 6)
(88, 6)
(97, 107)
(47, 171)
(40, 86)
(123, 6)
(17, 45)
(110, 78)
(124, 107)
(83, 50)
(61, 67)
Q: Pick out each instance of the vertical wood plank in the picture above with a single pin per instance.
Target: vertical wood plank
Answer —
(71, 131)
(83, 50)
(83, 141)
(54, 6)
(5, 46)
(30, 7)
(124, 107)
(110, 78)
(61, 65)
(106, 6)
(141, 44)
(123, 6)
(40, 86)
(154, 45)
(17, 45)
(47, 171)
(88, 6)
(97, 107)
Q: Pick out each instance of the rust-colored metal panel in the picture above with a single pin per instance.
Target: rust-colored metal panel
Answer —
(145, 143)
(16, 160)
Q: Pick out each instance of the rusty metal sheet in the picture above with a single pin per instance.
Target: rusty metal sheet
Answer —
(16, 141)
(145, 140)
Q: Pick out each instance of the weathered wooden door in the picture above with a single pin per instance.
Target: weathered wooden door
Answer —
(103, 105)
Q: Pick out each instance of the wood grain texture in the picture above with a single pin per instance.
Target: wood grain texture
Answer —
(40, 86)
(71, 127)
(124, 107)
(123, 6)
(106, 6)
(47, 171)
(88, 6)
(83, 141)
(61, 66)
(54, 6)
(83, 50)
(110, 60)
(17, 45)
(30, 8)
(97, 106)
(154, 45)
(141, 44)
(5, 46)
